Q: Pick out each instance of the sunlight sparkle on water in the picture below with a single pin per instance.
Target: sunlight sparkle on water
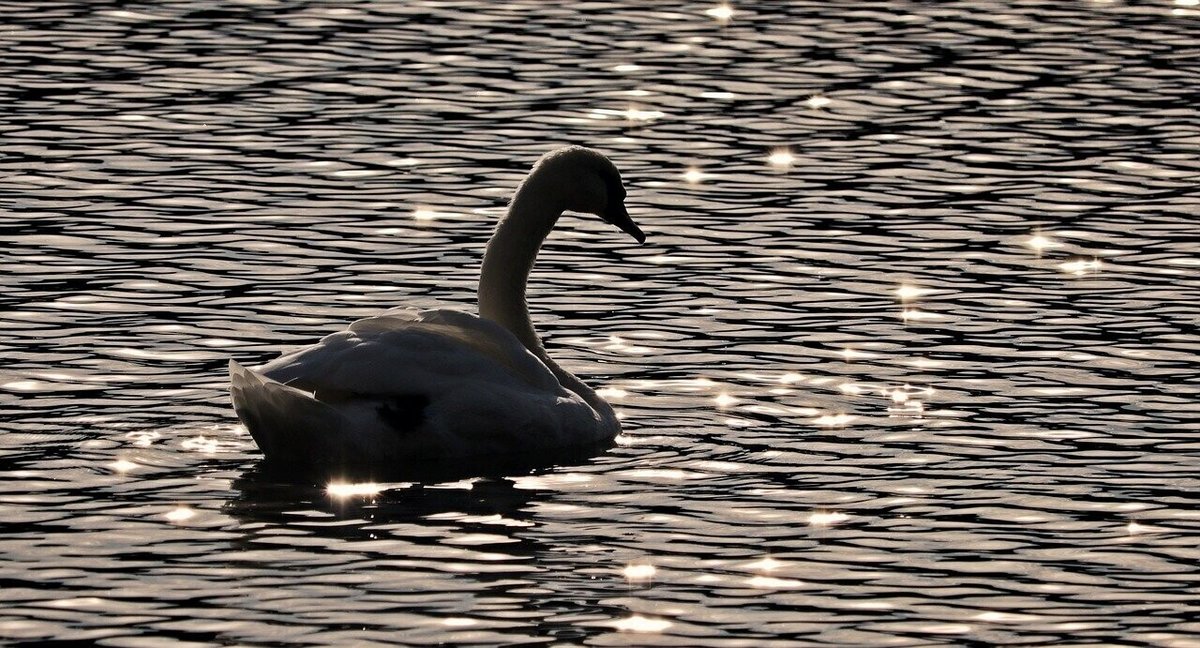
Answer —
(722, 12)
(944, 628)
(349, 489)
(766, 564)
(826, 518)
(611, 393)
(834, 420)
(724, 400)
(915, 314)
(1039, 242)
(849, 354)
(818, 101)
(144, 438)
(782, 159)
(906, 292)
(180, 513)
(639, 573)
(639, 623)
(1135, 528)
(617, 343)
(23, 385)
(693, 176)
(1081, 267)
(123, 465)
(1006, 617)
(201, 444)
(850, 388)
(635, 114)
(770, 582)
(905, 404)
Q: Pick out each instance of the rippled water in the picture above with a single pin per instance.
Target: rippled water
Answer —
(910, 357)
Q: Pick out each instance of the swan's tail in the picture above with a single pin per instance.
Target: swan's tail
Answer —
(289, 426)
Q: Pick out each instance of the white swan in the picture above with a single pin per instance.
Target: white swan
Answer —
(406, 388)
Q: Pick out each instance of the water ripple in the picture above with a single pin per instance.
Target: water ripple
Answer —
(909, 356)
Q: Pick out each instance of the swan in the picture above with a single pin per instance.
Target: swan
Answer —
(408, 387)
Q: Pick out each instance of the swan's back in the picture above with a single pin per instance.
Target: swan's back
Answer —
(397, 351)
(408, 387)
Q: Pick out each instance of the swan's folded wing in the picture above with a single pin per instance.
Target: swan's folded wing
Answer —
(412, 353)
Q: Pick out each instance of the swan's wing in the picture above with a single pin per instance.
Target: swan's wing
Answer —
(412, 353)
(410, 387)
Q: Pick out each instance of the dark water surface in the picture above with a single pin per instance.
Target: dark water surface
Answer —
(910, 358)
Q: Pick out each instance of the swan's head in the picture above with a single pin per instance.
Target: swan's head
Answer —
(589, 183)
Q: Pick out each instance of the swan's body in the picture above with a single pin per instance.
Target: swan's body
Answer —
(406, 388)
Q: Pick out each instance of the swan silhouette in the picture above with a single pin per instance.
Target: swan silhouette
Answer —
(411, 387)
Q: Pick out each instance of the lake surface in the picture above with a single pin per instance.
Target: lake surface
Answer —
(911, 356)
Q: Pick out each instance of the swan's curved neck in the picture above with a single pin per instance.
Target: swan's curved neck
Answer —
(507, 262)
(509, 257)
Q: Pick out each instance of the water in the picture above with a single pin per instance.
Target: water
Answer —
(910, 357)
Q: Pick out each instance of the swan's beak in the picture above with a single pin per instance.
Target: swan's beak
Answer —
(619, 216)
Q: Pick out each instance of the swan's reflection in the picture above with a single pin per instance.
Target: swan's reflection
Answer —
(501, 485)
(440, 538)
(262, 498)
